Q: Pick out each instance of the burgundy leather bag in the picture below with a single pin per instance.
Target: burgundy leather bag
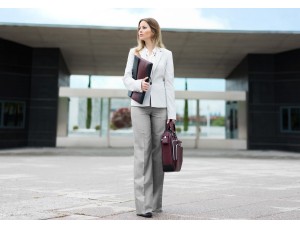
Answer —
(172, 151)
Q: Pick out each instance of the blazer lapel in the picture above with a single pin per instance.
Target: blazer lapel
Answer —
(157, 59)
(143, 53)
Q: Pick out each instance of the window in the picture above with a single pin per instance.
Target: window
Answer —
(12, 114)
(290, 119)
(0, 114)
(295, 119)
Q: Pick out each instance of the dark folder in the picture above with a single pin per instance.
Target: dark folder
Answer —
(141, 69)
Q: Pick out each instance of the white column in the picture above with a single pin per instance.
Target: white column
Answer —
(63, 117)
(242, 120)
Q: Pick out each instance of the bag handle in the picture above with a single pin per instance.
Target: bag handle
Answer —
(171, 126)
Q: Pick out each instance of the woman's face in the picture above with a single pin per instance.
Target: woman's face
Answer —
(145, 32)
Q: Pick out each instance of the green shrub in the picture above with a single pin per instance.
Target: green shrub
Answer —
(98, 127)
(220, 121)
(75, 127)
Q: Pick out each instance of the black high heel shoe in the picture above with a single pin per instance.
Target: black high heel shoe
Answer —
(146, 215)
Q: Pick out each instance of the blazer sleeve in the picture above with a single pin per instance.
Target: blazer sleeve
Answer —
(169, 86)
(130, 83)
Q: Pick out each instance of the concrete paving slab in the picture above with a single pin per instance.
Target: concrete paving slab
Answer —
(91, 184)
(288, 215)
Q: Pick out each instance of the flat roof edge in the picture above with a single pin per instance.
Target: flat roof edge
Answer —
(134, 28)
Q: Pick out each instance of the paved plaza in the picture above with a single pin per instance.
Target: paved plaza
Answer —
(97, 184)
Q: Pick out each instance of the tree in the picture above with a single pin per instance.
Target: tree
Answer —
(89, 108)
(186, 111)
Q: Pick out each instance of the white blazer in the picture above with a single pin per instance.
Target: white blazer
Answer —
(161, 90)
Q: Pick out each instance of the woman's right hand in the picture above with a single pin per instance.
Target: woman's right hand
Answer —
(145, 85)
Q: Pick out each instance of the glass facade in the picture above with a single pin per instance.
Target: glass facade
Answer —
(117, 111)
(206, 116)
(85, 119)
(212, 118)
(186, 117)
(109, 117)
(120, 119)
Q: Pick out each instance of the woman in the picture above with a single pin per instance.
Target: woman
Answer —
(149, 119)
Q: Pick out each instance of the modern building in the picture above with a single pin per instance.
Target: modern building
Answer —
(261, 70)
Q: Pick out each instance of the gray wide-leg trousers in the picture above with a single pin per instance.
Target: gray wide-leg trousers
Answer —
(148, 126)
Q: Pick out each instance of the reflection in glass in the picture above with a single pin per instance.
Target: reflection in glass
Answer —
(231, 120)
(295, 119)
(78, 116)
(285, 118)
(0, 114)
(191, 114)
(120, 118)
(13, 114)
(212, 120)
(290, 119)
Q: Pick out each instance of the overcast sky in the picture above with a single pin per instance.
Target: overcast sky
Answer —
(276, 19)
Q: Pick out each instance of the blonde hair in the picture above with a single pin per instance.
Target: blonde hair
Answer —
(157, 37)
